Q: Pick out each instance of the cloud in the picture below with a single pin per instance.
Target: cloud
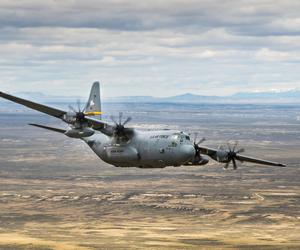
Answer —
(122, 15)
(170, 47)
(266, 54)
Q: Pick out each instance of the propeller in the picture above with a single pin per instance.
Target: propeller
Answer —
(232, 155)
(119, 128)
(79, 113)
(196, 145)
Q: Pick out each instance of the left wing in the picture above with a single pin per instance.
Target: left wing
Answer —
(101, 126)
(110, 130)
(36, 106)
(228, 156)
(96, 124)
(62, 131)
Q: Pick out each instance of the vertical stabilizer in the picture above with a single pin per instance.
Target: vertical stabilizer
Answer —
(93, 106)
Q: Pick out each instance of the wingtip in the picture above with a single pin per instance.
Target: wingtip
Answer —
(32, 124)
(281, 165)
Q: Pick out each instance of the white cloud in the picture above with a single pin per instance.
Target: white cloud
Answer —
(170, 47)
(269, 55)
(266, 54)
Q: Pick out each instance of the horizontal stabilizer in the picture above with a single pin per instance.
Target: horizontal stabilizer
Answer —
(62, 131)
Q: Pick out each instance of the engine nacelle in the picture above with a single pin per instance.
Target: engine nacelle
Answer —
(221, 156)
(69, 118)
(79, 133)
(198, 161)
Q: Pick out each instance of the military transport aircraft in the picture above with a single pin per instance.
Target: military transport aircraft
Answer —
(124, 146)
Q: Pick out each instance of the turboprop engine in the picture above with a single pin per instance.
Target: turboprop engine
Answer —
(231, 155)
(198, 159)
(79, 132)
(76, 118)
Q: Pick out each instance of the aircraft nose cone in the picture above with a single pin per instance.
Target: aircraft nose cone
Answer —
(188, 151)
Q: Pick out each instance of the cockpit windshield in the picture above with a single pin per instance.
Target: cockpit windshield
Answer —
(175, 137)
(180, 137)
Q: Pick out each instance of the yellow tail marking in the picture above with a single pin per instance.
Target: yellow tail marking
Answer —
(93, 113)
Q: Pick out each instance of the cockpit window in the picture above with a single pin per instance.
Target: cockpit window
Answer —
(175, 137)
(180, 137)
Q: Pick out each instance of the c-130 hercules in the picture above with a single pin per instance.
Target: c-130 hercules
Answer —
(123, 146)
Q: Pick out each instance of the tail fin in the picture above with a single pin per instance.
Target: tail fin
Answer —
(93, 106)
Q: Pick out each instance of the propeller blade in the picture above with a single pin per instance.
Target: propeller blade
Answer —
(120, 117)
(202, 140)
(72, 109)
(235, 145)
(195, 137)
(229, 147)
(113, 119)
(78, 105)
(126, 121)
(234, 164)
(226, 165)
(242, 150)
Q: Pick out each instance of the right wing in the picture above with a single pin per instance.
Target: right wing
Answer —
(214, 153)
(36, 106)
(258, 161)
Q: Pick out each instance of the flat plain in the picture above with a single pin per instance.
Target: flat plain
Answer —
(56, 194)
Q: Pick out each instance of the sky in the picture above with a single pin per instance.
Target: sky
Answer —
(158, 48)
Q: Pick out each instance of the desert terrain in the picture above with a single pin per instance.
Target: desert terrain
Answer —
(56, 194)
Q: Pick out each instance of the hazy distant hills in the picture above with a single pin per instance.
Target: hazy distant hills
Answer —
(269, 95)
(292, 96)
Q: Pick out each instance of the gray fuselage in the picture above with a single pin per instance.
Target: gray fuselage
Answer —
(145, 149)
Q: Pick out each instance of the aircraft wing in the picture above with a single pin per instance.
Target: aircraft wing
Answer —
(213, 153)
(36, 106)
(108, 129)
(62, 131)
(101, 126)
(258, 161)
(207, 151)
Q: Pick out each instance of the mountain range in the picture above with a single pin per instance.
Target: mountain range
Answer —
(291, 96)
